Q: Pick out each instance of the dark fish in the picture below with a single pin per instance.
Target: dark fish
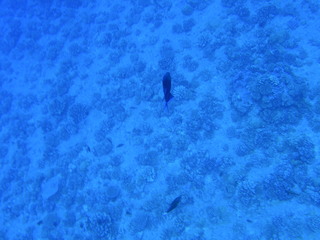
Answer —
(88, 149)
(174, 204)
(166, 85)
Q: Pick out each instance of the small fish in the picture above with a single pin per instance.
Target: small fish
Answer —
(88, 149)
(174, 204)
(166, 85)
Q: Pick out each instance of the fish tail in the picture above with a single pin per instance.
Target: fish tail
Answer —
(166, 107)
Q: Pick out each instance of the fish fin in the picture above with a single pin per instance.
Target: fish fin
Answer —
(166, 107)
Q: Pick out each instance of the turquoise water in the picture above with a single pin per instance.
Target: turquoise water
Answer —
(90, 151)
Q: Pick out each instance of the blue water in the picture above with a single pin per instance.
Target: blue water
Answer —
(89, 150)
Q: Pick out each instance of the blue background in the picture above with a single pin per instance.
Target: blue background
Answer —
(89, 151)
